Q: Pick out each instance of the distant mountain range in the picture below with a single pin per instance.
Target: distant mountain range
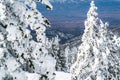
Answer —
(68, 39)
(69, 17)
(76, 41)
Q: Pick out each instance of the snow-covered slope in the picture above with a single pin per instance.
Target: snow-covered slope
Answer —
(62, 76)
(116, 31)
(63, 36)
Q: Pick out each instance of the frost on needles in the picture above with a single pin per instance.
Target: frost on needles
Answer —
(99, 54)
(21, 56)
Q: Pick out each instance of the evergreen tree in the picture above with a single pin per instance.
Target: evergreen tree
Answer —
(70, 57)
(28, 55)
(53, 47)
(98, 57)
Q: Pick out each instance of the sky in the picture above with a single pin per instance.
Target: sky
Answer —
(69, 15)
(78, 0)
(66, 0)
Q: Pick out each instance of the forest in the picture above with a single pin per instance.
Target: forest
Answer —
(31, 49)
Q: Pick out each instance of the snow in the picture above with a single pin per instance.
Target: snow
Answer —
(23, 54)
(99, 61)
(1, 53)
(32, 76)
(2, 12)
(59, 76)
(62, 76)
(1, 36)
(23, 58)
(46, 2)
(12, 64)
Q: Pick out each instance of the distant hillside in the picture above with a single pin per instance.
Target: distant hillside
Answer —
(116, 31)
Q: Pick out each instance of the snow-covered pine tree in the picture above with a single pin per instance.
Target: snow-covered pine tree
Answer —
(61, 61)
(53, 49)
(29, 55)
(56, 51)
(98, 57)
(70, 57)
(9, 66)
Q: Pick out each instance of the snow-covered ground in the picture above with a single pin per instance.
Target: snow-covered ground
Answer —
(59, 76)
(32, 76)
(62, 76)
